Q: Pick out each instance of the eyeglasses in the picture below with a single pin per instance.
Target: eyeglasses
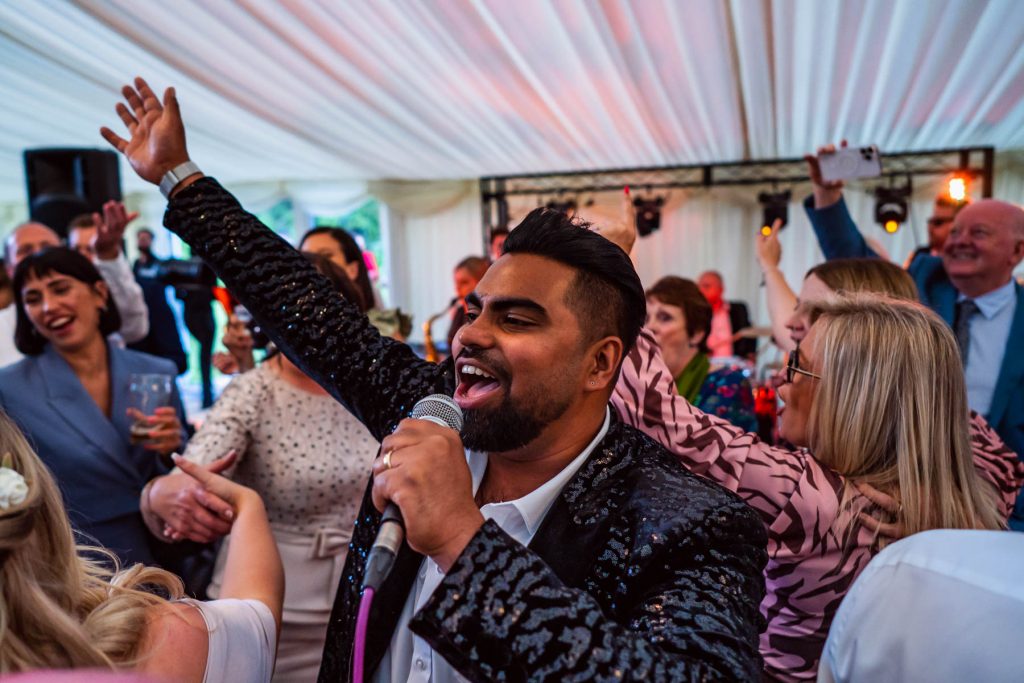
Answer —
(793, 366)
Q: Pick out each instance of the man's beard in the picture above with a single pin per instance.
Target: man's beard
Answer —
(511, 425)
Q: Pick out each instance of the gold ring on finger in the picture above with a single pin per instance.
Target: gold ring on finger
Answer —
(387, 459)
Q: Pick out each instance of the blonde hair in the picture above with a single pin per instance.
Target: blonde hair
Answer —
(848, 275)
(59, 609)
(891, 411)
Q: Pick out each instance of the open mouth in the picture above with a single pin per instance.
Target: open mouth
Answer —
(476, 385)
(60, 325)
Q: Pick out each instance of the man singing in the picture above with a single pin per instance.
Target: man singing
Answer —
(548, 541)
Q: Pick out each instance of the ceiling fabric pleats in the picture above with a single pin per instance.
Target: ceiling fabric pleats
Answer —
(313, 90)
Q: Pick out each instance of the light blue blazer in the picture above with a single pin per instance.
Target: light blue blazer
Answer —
(100, 473)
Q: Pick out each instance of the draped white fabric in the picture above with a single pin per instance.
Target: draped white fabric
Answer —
(328, 103)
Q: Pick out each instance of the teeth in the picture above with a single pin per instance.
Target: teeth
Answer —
(474, 370)
(59, 322)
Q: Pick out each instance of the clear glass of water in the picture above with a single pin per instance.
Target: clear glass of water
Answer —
(147, 392)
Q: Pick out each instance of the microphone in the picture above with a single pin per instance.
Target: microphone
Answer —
(437, 408)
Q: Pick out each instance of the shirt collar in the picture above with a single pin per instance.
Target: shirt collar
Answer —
(992, 303)
(534, 506)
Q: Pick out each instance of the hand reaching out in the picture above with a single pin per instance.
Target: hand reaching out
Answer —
(157, 135)
(894, 530)
(110, 227)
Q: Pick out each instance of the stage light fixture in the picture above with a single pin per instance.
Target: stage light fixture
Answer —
(775, 206)
(648, 214)
(891, 206)
(566, 206)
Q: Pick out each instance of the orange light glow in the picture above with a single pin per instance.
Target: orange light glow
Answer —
(766, 230)
(891, 226)
(958, 188)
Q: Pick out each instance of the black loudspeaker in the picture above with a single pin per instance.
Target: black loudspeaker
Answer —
(63, 183)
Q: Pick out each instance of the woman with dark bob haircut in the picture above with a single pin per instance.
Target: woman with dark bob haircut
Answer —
(680, 318)
(71, 397)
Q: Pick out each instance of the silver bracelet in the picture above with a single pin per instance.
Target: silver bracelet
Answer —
(173, 177)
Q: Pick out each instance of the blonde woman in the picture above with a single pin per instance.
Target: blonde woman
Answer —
(60, 610)
(875, 390)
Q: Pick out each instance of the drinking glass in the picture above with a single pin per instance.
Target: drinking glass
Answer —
(147, 392)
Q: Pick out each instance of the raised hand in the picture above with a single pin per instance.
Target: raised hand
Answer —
(769, 251)
(110, 227)
(619, 230)
(157, 135)
(826, 192)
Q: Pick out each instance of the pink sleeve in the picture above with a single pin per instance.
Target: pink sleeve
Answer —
(996, 463)
(765, 477)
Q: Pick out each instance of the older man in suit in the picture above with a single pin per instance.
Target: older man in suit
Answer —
(971, 287)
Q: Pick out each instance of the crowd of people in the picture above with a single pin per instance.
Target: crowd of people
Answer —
(611, 508)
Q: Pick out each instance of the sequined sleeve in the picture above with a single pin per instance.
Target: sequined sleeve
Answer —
(688, 612)
(378, 379)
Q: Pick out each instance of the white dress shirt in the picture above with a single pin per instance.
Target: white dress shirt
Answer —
(943, 605)
(989, 334)
(409, 658)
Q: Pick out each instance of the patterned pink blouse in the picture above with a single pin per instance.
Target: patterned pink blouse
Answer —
(815, 548)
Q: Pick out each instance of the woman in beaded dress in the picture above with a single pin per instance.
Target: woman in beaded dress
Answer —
(308, 458)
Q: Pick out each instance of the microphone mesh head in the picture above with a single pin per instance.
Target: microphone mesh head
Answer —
(439, 408)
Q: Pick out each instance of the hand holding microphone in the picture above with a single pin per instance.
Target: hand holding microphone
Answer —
(422, 469)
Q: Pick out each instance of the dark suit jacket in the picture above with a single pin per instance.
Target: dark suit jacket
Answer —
(99, 472)
(738, 319)
(839, 238)
(641, 570)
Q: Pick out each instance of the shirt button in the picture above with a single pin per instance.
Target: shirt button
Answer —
(421, 665)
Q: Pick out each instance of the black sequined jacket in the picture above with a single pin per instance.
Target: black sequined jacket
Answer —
(640, 571)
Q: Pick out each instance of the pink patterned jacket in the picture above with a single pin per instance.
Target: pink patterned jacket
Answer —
(815, 549)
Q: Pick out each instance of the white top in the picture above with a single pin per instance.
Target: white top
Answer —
(989, 337)
(243, 638)
(944, 605)
(8, 320)
(409, 658)
(127, 294)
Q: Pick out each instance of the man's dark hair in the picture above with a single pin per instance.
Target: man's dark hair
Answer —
(685, 294)
(606, 294)
(145, 230)
(82, 220)
(63, 261)
(474, 265)
(350, 248)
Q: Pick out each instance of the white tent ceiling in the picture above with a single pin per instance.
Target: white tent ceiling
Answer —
(369, 89)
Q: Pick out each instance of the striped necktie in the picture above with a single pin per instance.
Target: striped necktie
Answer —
(965, 310)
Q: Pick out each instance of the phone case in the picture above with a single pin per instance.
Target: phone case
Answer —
(851, 162)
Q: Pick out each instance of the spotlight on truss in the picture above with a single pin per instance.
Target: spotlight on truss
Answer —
(891, 206)
(648, 214)
(775, 206)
